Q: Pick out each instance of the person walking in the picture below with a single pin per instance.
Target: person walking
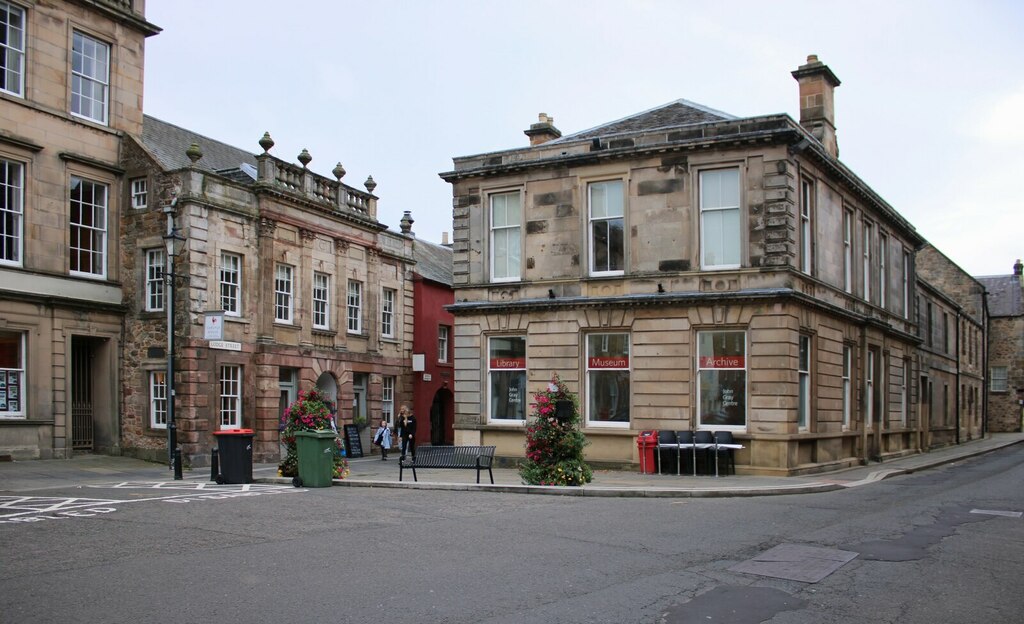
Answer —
(406, 428)
(383, 439)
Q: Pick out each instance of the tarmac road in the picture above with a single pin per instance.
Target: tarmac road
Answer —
(273, 553)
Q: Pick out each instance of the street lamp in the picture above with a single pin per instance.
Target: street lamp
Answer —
(172, 239)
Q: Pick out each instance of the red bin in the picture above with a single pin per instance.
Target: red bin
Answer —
(647, 446)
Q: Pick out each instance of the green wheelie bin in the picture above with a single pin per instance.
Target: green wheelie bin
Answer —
(315, 451)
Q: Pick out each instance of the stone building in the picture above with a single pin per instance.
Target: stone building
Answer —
(312, 290)
(952, 322)
(1006, 349)
(684, 269)
(71, 77)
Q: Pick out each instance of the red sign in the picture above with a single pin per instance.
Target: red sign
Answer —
(723, 361)
(510, 363)
(619, 361)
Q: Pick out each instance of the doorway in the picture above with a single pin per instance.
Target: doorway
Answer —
(81, 394)
(442, 419)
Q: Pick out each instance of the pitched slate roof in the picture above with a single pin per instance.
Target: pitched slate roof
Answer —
(433, 262)
(1005, 295)
(168, 144)
(677, 113)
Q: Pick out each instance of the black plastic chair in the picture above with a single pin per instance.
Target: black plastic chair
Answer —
(686, 438)
(666, 443)
(705, 437)
(725, 437)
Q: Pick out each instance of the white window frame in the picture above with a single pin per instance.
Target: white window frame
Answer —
(15, 378)
(509, 231)
(12, 213)
(230, 275)
(156, 263)
(491, 369)
(806, 226)
(90, 69)
(354, 307)
(230, 395)
(443, 339)
(867, 232)
(388, 296)
(700, 368)
(804, 356)
(387, 399)
(158, 399)
(999, 379)
(847, 386)
(707, 210)
(94, 231)
(624, 367)
(883, 268)
(321, 300)
(284, 289)
(848, 250)
(140, 193)
(13, 46)
(607, 220)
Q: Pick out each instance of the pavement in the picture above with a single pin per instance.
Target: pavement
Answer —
(33, 475)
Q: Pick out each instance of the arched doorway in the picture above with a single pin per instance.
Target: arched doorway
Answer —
(328, 386)
(442, 418)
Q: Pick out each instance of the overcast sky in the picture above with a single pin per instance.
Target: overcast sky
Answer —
(930, 112)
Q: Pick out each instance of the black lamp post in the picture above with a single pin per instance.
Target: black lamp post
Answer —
(171, 239)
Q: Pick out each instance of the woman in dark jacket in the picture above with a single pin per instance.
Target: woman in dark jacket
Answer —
(405, 426)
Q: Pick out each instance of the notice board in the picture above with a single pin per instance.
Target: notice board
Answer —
(353, 446)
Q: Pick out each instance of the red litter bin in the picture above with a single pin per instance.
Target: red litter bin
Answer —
(647, 446)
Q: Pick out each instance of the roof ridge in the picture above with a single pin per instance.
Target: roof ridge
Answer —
(681, 101)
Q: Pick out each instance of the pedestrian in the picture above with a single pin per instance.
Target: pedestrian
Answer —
(406, 428)
(383, 439)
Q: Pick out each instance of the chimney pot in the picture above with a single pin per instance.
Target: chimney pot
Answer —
(1018, 268)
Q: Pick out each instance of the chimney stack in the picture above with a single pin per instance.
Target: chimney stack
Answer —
(542, 131)
(1018, 268)
(817, 102)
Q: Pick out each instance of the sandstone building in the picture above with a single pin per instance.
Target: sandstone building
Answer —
(685, 269)
(1006, 351)
(312, 289)
(71, 77)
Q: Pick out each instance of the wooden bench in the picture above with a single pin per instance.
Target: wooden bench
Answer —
(471, 457)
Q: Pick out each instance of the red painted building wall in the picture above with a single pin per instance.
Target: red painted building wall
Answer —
(433, 387)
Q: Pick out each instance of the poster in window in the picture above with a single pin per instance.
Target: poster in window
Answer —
(3, 381)
(3, 400)
(12, 392)
(12, 378)
(12, 406)
(723, 397)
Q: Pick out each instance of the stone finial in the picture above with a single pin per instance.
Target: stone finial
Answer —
(304, 157)
(194, 153)
(406, 223)
(338, 171)
(266, 142)
(369, 184)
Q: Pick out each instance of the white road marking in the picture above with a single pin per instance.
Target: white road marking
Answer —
(990, 512)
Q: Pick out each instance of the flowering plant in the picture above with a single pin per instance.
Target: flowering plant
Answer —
(310, 412)
(554, 445)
